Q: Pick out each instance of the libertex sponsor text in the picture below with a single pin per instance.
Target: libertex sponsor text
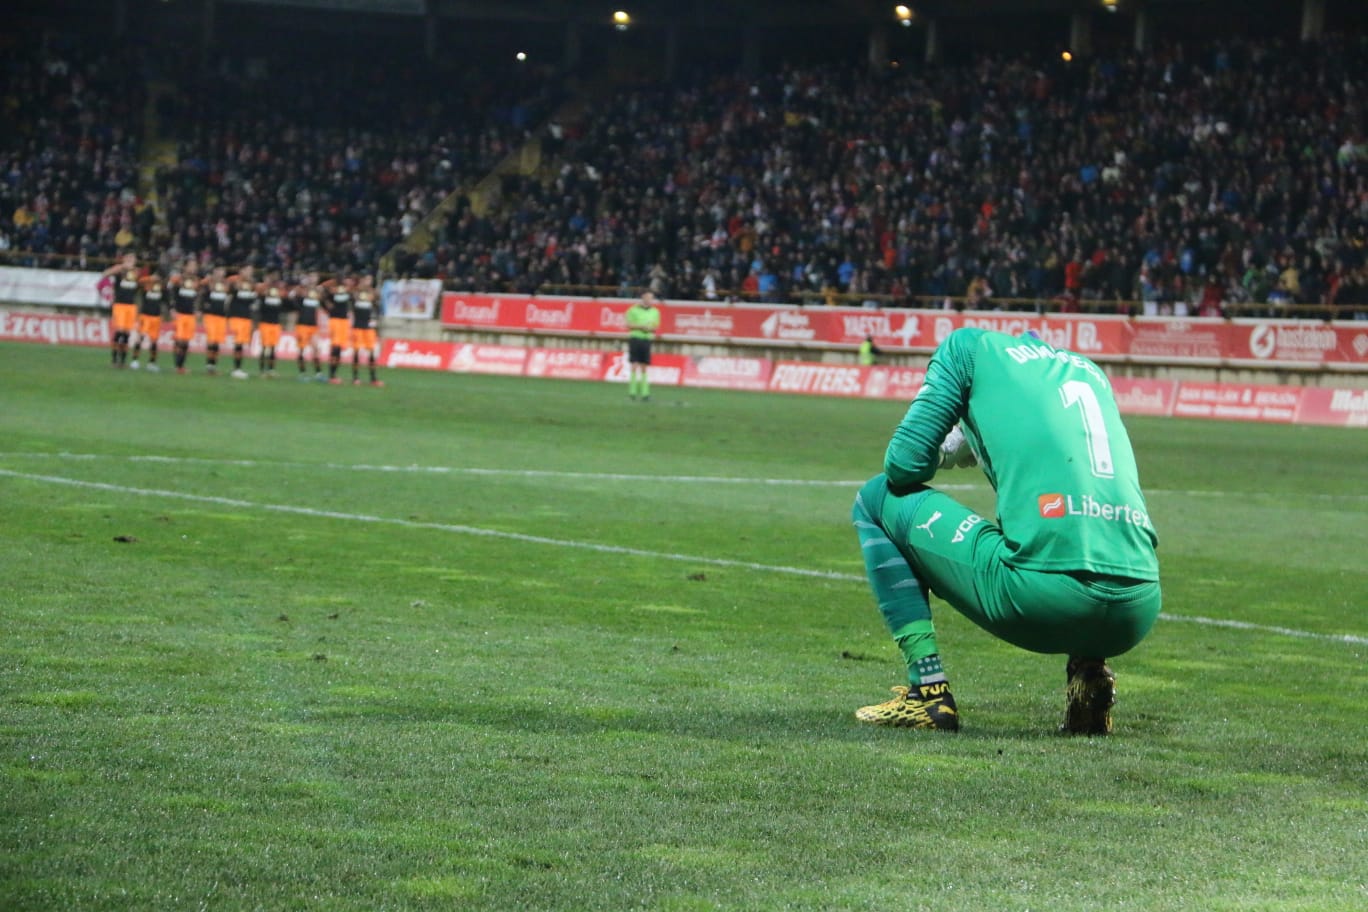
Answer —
(1058, 506)
(55, 329)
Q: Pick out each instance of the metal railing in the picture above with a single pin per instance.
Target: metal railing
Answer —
(1036, 305)
(35, 259)
(806, 298)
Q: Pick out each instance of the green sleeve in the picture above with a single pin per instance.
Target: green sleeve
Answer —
(913, 454)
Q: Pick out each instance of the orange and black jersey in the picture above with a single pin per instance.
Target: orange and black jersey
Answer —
(216, 302)
(153, 298)
(126, 287)
(363, 309)
(339, 303)
(243, 301)
(186, 298)
(271, 303)
(308, 304)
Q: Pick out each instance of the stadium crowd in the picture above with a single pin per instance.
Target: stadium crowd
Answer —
(301, 162)
(317, 178)
(1188, 181)
(69, 146)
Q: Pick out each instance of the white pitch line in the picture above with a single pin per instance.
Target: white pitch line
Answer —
(600, 548)
(414, 524)
(1264, 628)
(603, 476)
(469, 470)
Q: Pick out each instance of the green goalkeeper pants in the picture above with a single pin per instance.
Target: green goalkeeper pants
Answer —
(943, 546)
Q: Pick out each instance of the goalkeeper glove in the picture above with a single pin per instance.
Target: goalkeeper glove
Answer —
(956, 452)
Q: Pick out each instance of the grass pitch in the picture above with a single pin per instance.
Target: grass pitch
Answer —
(485, 643)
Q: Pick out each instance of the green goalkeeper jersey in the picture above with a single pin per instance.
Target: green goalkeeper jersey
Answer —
(1044, 425)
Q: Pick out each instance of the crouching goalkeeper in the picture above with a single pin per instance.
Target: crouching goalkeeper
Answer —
(1069, 565)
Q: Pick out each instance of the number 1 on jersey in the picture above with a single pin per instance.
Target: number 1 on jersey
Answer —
(1080, 393)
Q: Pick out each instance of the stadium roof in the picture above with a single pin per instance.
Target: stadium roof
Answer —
(712, 12)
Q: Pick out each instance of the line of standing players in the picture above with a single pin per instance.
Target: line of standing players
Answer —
(233, 306)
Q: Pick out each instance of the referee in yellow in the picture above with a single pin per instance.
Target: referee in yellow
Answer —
(643, 319)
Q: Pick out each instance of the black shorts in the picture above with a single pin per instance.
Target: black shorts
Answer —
(638, 351)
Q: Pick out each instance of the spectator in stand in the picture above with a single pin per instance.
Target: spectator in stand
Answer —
(318, 178)
(68, 156)
(1057, 181)
(1078, 185)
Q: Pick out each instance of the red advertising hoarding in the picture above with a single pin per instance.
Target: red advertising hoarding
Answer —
(722, 372)
(566, 363)
(894, 382)
(664, 370)
(471, 358)
(1168, 340)
(414, 353)
(818, 379)
(1264, 342)
(54, 329)
(1237, 402)
(1144, 396)
(1338, 407)
(1308, 343)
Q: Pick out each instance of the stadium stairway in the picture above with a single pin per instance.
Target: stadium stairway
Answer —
(528, 160)
(484, 194)
(158, 150)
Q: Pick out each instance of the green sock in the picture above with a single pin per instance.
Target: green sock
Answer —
(632, 384)
(901, 596)
(925, 670)
(645, 386)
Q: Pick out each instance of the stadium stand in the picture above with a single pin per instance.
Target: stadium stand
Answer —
(1233, 177)
(317, 178)
(1186, 181)
(70, 121)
